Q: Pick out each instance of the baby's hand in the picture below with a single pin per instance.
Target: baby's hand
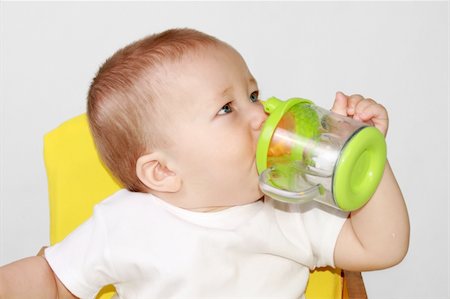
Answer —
(362, 109)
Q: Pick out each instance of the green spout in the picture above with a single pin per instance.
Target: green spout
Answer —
(271, 104)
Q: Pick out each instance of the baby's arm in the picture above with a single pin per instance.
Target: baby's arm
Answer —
(377, 235)
(31, 278)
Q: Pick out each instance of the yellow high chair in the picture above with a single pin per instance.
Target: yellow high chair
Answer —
(77, 180)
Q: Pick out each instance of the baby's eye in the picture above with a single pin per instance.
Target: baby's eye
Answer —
(254, 96)
(225, 109)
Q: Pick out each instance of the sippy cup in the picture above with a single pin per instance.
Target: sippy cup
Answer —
(308, 153)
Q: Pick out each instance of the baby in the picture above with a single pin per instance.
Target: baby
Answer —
(176, 118)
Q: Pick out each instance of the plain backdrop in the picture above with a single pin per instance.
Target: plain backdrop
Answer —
(394, 52)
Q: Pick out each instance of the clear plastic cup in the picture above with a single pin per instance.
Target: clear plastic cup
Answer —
(308, 153)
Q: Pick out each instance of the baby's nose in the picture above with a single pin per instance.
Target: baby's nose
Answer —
(258, 117)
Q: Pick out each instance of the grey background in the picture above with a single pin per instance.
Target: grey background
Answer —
(394, 52)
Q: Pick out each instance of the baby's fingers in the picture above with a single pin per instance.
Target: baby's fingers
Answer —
(340, 104)
(370, 112)
(353, 101)
(360, 108)
(345, 105)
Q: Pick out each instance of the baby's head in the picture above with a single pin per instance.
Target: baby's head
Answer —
(176, 114)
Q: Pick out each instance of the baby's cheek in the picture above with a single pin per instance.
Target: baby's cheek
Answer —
(242, 154)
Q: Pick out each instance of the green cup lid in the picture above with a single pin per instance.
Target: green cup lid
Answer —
(359, 169)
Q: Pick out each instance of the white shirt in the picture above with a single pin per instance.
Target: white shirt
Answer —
(148, 249)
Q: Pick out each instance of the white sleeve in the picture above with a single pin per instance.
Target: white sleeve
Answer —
(323, 225)
(81, 260)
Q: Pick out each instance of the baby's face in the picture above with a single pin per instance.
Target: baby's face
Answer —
(216, 123)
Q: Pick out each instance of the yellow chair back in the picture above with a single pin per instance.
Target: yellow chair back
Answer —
(77, 180)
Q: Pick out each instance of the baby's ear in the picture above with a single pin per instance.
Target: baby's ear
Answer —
(152, 169)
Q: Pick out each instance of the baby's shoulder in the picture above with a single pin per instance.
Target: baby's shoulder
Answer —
(127, 205)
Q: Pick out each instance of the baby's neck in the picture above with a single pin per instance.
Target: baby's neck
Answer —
(174, 201)
(209, 209)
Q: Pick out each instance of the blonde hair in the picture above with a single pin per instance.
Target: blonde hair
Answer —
(124, 110)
